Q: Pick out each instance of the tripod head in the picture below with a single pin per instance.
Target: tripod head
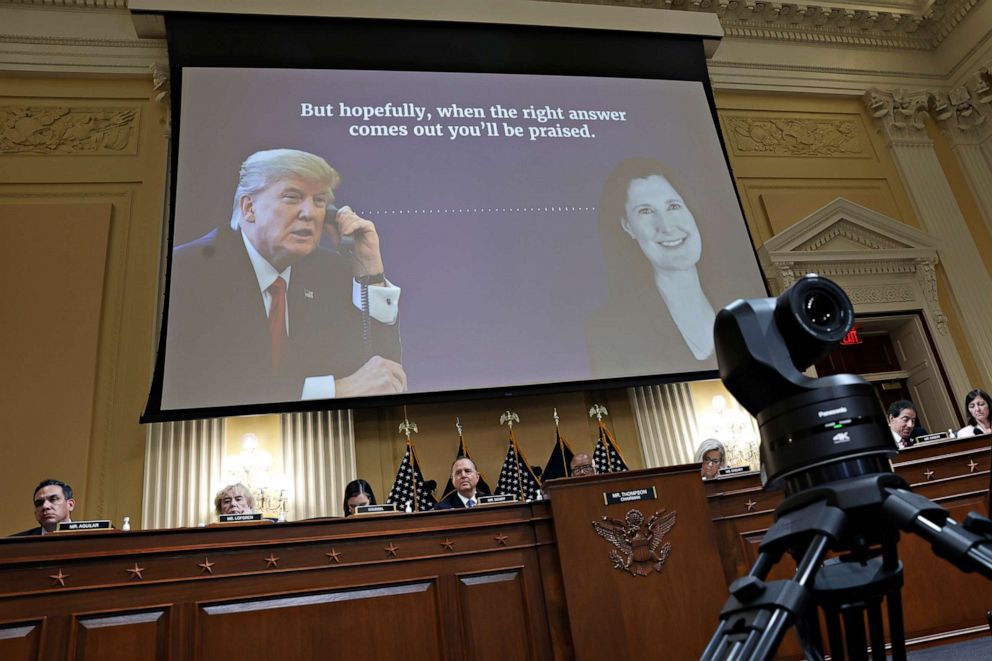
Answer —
(813, 430)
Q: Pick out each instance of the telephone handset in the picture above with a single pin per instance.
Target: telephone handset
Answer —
(346, 244)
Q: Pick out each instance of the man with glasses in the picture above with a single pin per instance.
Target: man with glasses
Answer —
(581, 465)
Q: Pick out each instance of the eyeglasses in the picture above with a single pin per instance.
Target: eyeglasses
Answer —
(711, 462)
(584, 469)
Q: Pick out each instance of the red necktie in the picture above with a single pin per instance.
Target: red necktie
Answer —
(277, 320)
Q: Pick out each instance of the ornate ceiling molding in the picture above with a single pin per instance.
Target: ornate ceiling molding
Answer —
(962, 113)
(918, 26)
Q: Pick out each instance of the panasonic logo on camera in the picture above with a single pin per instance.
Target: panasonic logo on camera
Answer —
(824, 414)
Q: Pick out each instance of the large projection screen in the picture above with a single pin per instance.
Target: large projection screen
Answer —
(513, 265)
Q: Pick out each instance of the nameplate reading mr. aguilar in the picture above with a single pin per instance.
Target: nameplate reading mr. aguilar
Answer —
(78, 526)
(232, 518)
(375, 509)
(629, 496)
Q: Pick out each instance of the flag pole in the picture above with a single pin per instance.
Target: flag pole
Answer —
(598, 411)
(407, 427)
(508, 418)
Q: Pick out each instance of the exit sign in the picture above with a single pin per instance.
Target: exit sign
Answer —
(851, 338)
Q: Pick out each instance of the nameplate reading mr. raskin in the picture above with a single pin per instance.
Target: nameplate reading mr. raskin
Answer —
(493, 500)
(629, 496)
(375, 509)
(232, 518)
(69, 526)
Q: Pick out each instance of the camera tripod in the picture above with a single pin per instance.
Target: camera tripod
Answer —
(858, 518)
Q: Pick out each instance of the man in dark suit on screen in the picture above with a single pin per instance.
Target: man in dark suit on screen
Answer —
(259, 312)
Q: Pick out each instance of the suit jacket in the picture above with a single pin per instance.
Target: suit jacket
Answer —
(218, 349)
(28, 533)
(453, 502)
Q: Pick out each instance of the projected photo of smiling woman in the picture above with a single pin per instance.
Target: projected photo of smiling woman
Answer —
(657, 307)
(261, 312)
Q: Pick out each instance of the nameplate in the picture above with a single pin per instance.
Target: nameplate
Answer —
(938, 436)
(630, 496)
(76, 526)
(495, 500)
(734, 470)
(234, 518)
(375, 509)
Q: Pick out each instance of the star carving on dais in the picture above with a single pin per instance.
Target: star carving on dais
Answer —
(333, 556)
(59, 578)
(501, 538)
(206, 566)
(271, 561)
(135, 572)
(391, 549)
(750, 505)
(448, 545)
(928, 473)
(972, 465)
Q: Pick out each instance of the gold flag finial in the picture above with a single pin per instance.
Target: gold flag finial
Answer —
(407, 427)
(598, 411)
(508, 418)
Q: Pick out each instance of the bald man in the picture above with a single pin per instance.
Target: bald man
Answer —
(581, 465)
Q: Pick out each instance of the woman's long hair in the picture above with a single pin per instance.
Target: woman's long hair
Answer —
(969, 398)
(356, 488)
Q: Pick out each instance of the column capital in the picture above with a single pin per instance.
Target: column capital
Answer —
(900, 114)
(963, 113)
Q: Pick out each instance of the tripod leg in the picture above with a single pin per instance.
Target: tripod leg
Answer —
(854, 630)
(876, 630)
(808, 629)
(834, 633)
(897, 631)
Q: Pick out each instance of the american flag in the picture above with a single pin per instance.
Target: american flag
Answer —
(407, 476)
(559, 461)
(516, 477)
(482, 487)
(606, 457)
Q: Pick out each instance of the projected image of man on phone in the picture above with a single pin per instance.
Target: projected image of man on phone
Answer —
(259, 312)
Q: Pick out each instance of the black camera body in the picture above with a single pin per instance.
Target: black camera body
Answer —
(813, 430)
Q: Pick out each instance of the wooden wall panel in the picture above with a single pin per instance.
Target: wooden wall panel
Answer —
(388, 621)
(494, 616)
(21, 641)
(121, 635)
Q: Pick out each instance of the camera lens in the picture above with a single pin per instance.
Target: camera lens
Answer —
(821, 310)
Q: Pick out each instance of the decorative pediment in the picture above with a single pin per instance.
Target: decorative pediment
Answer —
(843, 226)
(883, 264)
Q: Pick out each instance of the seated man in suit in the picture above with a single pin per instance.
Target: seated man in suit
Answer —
(581, 465)
(53, 503)
(465, 477)
(260, 312)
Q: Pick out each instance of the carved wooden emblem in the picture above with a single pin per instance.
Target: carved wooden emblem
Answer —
(639, 546)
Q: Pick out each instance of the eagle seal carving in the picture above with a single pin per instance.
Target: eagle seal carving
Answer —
(639, 545)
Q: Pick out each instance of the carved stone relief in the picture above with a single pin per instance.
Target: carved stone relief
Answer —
(792, 136)
(66, 130)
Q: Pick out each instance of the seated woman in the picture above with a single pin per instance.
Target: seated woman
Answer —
(358, 492)
(712, 456)
(902, 420)
(976, 403)
(234, 499)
